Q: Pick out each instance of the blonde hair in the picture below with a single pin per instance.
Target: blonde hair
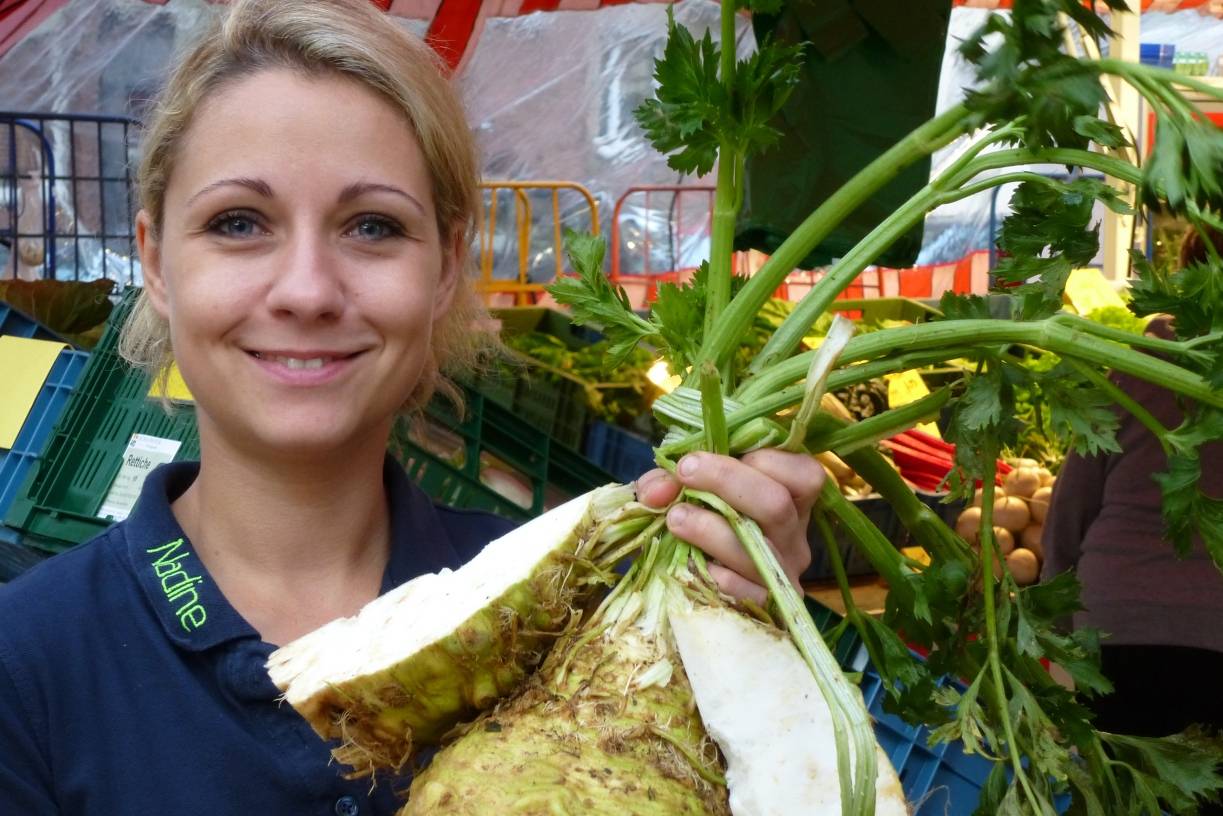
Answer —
(350, 39)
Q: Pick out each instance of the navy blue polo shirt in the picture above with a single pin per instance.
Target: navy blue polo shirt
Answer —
(130, 687)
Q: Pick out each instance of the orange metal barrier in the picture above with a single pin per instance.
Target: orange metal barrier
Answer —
(520, 290)
(642, 287)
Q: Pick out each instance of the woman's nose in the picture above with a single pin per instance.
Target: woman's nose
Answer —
(308, 283)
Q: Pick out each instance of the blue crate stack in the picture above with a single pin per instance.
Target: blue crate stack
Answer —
(15, 464)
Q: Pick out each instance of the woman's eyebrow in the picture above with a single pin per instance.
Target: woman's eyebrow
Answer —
(360, 188)
(257, 185)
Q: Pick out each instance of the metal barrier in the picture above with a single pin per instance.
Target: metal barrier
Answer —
(641, 285)
(538, 246)
(65, 197)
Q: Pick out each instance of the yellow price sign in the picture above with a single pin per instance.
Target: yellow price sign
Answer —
(176, 387)
(24, 366)
(905, 387)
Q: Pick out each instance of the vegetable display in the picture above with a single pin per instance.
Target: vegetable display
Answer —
(646, 702)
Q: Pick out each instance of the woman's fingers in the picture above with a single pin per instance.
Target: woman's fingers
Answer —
(773, 488)
(779, 499)
(735, 585)
(708, 530)
(656, 488)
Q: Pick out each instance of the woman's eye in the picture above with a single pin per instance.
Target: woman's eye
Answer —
(234, 225)
(375, 228)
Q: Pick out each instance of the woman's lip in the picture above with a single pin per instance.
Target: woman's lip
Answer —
(333, 366)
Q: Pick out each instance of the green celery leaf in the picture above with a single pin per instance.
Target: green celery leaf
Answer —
(964, 307)
(763, 83)
(1047, 235)
(595, 301)
(1186, 509)
(1180, 771)
(683, 121)
(1103, 133)
(981, 405)
(1163, 174)
(1080, 411)
(679, 314)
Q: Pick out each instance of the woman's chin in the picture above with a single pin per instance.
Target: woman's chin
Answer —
(304, 441)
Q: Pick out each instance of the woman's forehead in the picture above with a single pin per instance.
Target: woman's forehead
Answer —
(299, 128)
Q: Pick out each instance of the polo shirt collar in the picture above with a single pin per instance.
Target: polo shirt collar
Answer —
(191, 608)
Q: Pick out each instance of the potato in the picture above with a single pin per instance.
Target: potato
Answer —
(1029, 539)
(1003, 540)
(1039, 504)
(979, 492)
(1012, 513)
(1022, 481)
(1024, 566)
(969, 522)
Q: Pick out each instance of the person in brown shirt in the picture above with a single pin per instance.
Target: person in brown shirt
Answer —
(1162, 615)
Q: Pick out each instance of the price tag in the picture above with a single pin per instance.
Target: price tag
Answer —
(1088, 290)
(143, 453)
(905, 387)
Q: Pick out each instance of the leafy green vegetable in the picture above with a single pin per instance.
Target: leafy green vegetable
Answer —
(1037, 364)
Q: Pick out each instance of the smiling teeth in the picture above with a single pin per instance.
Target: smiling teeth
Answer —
(295, 363)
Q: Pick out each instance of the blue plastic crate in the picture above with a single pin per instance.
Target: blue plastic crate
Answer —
(18, 324)
(52, 398)
(622, 454)
(938, 780)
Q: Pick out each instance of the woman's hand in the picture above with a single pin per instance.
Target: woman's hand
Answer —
(773, 488)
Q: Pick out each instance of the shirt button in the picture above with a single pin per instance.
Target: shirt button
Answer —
(347, 806)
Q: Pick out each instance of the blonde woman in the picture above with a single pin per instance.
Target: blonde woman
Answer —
(308, 191)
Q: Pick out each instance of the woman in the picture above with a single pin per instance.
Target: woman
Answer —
(308, 191)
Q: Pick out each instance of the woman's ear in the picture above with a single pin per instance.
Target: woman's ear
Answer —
(149, 250)
(454, 259)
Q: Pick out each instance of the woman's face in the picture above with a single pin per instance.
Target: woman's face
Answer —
(300, 264)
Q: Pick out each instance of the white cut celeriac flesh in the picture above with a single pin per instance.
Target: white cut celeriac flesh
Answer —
(761, 704)
(443, 646)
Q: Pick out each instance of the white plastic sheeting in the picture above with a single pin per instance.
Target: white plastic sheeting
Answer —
(550, 96)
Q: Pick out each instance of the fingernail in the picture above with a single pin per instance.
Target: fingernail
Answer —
(645, 480)
(688, 465)
(677, 514)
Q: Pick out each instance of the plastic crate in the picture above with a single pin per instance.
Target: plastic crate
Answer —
(873, 310)
(15, 463)
(621, 453)
(553, 471)
(938, 780)
(18, 324)
(58, 503)
(552, 400)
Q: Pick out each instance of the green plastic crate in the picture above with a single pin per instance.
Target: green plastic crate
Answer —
(58, 503)
(553, 470)
(890, 308)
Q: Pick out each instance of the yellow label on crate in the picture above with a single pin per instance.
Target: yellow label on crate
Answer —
(1088, 290)
(905, 387)
(176, 388)
(24, 366)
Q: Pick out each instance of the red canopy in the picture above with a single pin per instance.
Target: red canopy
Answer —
(455, 24)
